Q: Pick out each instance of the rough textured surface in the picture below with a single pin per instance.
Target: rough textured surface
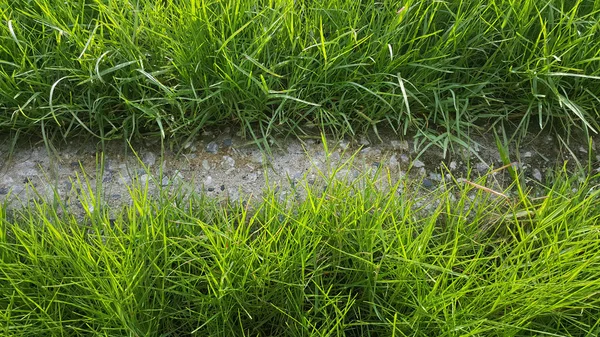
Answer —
(224, 166)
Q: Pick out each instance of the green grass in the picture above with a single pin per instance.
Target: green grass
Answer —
(117, 68)
(348, 260)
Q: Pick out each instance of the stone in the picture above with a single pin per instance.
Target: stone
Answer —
(257, 158)
(149, 159)
(404, 158)
(393, 161)
(228, 161)
(252, 177)
(205, 165)
(165, 181)
(435, 176)
(418, 164)
(344, 145)
(212, 147)
(481, 167)
(178, 175)
(537, 175)
(399, 145)
(227, 142)
(107, 177)
(453, 165)
(428, 184)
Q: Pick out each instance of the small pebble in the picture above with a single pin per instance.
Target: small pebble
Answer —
(149, 159)
(210, 189)
(257, 158)
(376, 164)
(527, 154)
(418, 164)
(582, 149)
(3, 190)
(227, 142)
(205, 165)
(404, 158)
(222, 187)
(537, 175)
(399, 145)
(482, 167)
(165, 181)
(452, 165)
(363, 141)
(435, 176)
(428, 184)
(393, 161)
(344, 145)
(178, 176)
(124, 180)
(228, 161)
(212, 147)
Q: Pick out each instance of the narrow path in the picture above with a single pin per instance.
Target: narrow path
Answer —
(220, 165)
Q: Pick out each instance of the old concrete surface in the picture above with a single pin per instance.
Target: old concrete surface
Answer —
(222, 165)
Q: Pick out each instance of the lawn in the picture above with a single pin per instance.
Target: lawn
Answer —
(349, 258)
(346, 260)
(118, 68)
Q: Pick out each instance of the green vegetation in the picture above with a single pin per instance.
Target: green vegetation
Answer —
(118, 68)
(348, 260)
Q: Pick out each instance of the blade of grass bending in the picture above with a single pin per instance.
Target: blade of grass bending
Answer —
(13, 35)
(576, 109)
(50, 99)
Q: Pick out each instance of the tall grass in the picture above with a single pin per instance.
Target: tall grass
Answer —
(349, 260)
(120, 68)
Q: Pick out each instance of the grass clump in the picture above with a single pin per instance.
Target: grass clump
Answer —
(120, 68)
(349, 260)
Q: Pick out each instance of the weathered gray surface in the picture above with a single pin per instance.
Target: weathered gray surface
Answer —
(223, 166)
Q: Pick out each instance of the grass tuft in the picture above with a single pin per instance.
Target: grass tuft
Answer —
(120, 68)
(348, 259)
